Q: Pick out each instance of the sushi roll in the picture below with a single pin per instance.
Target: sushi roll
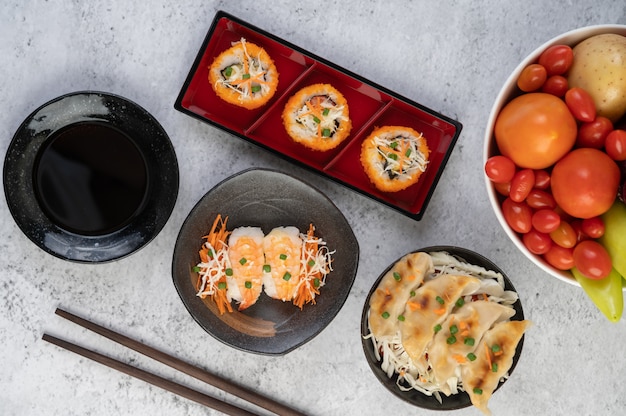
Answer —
(317, 117)
(244, 75)
(394, 157)
(283, 253)
(246, 258)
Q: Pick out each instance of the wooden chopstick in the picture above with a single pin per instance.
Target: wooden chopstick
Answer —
(184, 367)
(153, 379)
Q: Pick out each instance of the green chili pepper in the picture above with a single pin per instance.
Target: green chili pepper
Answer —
(605, 293)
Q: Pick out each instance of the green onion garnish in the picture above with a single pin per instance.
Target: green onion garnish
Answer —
(451, 339)
(245, 76)
(460, 302)
(317, 120)
(228, 71)
(397, 276)
(228, 272)
(392, 156)
(283, 257)
(401, 318)
(477, 390)
(437, 328)
(407, 153)
(469, 341)
(412, 293)
(311, 263)
(221, 285)
(440, 300)
(454, 329)
(242, 261)
(326, 111)
(267, 268)
(393, 145)
(495, 348)
(196, 269)
(248, 284)
(287, 276)
(385, 315)
(316, 282)
(255, 88)
(494, 367)
(471, 356)
(326, 132)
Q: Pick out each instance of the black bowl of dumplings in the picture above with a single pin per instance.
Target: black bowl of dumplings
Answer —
(464, 326)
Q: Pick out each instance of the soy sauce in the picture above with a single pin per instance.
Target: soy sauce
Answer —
(90, 178)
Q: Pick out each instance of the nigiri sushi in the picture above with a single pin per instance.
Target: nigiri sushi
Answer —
(244, 75)
(283, 250)
(317, 117)
(394, 157)
(245, 277)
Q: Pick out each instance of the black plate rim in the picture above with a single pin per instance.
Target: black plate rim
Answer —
(163, 176)
(243, 343)
(460, 400)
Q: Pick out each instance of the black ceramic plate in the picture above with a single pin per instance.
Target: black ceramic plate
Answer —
(414, 397)
(267, 199)
(107, 123)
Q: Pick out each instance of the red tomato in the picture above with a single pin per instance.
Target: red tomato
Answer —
(581, 104)
(503, 188)
(518, 215)
(560, 257)
(584, 183)
(500, 169)
(593, 227)
(538, 199)
(556, 85)
(593, 134)
(557, 59)
(546, 220)
(592, 259)
(532, 78)
(537, 242)
(564, 235)
(535, 130)
(542, 179)
(522, 184)
(615, 145)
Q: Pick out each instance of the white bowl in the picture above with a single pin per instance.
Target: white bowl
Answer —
(490, 148)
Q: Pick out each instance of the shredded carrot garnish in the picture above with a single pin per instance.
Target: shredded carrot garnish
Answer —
(488, 355)
(485, 297)
(461, 359)
(440, 311)
(414, 305)
(316, 264)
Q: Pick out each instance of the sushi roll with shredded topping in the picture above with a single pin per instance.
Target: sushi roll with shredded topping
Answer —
(317, 117)
(244, 75)
(394, 157)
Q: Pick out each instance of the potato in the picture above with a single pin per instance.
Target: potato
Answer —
(599, 67)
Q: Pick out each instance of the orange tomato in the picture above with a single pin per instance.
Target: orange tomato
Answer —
(535, 130)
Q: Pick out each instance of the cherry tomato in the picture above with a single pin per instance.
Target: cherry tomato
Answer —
(593, 134)
(584, 182)
(581, 104)
(556, 85)
(560, 257)
(518, 215)
(577, 225)
(503, 188)
(593, 227)
(532, 78)
(542, 179)
(564, 235)
(500, 169)
(592, 259)
(522, 184)
(537, 242)
(615, 145)
(557, 59)
(546, 220)
(535, 130)
(539, 199)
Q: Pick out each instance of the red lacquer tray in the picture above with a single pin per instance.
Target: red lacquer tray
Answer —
(370, 106)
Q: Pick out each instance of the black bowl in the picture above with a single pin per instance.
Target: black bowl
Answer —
(267, 199)
(90, 177)
(414, 397)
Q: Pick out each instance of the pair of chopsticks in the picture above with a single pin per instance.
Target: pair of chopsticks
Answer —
(180, 365)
